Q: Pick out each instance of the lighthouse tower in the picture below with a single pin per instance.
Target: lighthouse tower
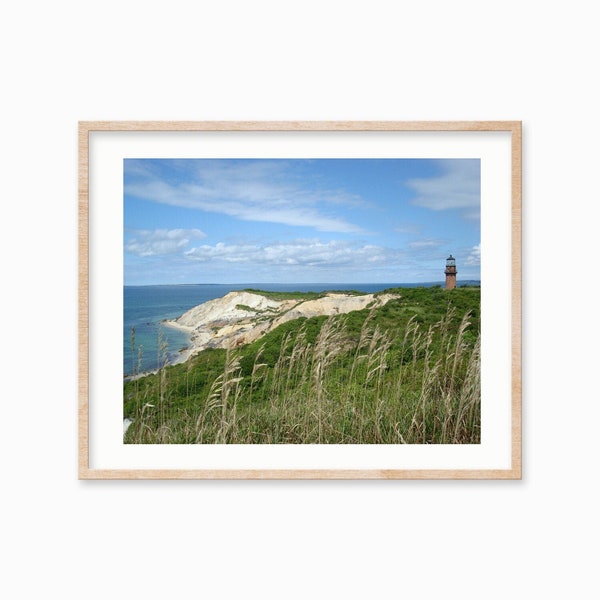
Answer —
(450, 273)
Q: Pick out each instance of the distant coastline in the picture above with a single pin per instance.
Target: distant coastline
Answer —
(310, 286)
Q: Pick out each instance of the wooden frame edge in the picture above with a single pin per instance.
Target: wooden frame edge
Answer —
(298, 474)
(83, 299)
(87, 473)
(516, 295)
(300, 125)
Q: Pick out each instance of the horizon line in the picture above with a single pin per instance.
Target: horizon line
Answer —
(253, 283)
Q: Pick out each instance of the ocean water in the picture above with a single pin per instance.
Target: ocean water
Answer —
(145, 307)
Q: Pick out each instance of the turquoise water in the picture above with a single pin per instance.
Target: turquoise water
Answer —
(145, 307)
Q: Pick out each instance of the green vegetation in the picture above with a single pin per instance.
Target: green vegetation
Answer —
(279, 296)
(405, 372)
(246, 308)
(286, 295)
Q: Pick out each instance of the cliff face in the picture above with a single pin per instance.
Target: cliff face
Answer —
(242, 317)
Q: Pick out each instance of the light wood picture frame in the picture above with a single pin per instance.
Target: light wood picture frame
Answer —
(104, 145)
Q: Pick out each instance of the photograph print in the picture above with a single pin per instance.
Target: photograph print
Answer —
(301, 301)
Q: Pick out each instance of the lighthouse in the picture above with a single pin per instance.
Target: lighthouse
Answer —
(450, 273)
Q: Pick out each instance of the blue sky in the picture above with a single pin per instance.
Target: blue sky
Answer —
(300, 221)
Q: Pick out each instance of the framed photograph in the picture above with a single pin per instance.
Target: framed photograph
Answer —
(300, 300)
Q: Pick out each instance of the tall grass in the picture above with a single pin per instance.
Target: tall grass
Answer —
(416, 385)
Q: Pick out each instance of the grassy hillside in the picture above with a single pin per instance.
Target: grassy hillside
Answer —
(406, 372)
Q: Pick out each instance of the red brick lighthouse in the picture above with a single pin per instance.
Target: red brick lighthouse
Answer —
(450, 273)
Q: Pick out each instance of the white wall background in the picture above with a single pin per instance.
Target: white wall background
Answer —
(63, 62)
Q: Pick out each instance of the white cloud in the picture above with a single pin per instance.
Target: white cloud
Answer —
(254, 191)
(474, 258)
(303, 253)
(153, 242)
(457, 188)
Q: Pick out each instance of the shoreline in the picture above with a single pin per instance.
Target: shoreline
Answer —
(175, 325)
(182, 355)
